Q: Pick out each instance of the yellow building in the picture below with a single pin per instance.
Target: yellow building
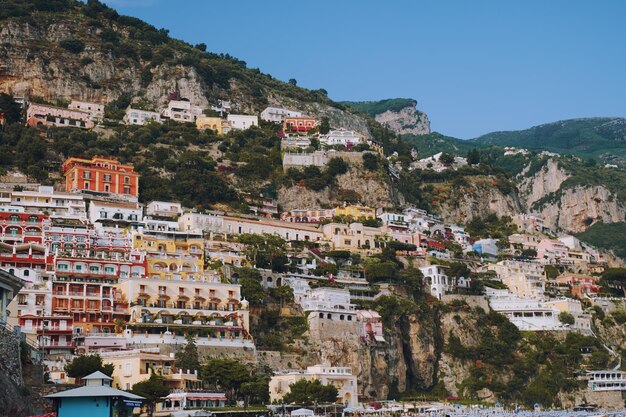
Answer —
(356, 212)
(136, 365)
(217, 124)
(172, 258)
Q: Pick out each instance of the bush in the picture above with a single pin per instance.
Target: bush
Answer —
(566, 318)
(74, 46)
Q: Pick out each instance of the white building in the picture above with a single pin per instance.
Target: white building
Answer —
(436, 280)
(609, 380)
(242, 121)
(300, 287)
(433, 163)
(104, 213)
(340, 377)
(528, 314)
(341, 137)
(96, 110)
(277, 114)
(182, 111)
(166, 209)
(46, 199)
(329, 303)
(140, 117)
(199, 221)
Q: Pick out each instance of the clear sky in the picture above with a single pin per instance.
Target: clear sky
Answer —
(473, 66)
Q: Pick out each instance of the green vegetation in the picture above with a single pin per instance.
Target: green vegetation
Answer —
(312, 392)
(491, 226)
(373, 108)
(314, 178)
(187, 357)
(566, 318)
(239, 381)
(611, 236)
(152, 389)
(84, 365)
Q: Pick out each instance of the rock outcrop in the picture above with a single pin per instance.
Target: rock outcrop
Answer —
(371, 189)
(478, 199)
(575, 209)
(13, 397)
(408, 121)
(547, 180)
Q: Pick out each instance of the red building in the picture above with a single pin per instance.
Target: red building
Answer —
(85, 289)
(580, 284)
(27, 255)
(299, 124)
(22, 227)
(54, 333)
(104, 175)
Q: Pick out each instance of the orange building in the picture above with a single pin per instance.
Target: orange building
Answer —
(100, 174)
(299, 124)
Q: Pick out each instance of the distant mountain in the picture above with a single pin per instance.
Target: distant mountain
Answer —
(601, 138)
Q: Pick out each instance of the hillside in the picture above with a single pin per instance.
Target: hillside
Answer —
(66, 49)
(601, 138)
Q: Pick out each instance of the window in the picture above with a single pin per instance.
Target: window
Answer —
(103, 214)
(107, 177)
(126, 180)
(86, 185)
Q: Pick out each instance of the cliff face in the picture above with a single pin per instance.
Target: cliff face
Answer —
(563, 207)
(477, 199)
(578, 208)
(12, 398)
(371, 189)
(407, 121)
(547, 180)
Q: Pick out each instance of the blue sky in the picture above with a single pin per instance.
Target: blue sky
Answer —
(473, 66)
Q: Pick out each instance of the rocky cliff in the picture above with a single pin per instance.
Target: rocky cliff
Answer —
(566, 205)
(407, 121)
(370, 188)
(478, 198)
(13, 396)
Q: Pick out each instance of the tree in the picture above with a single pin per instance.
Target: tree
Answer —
(11, 109)
(201, 47)
(227, 375)
(458, 270)
(152, 389)
(187, 357)
(292, 81)
(306, 392)
(615, 279)
(473, 156)
(325, 125)
(251, 288)
(446, 158)
(566, 318)
(83, 365)
(255, 392)
(336, 166)
(370, 161)
(383, 271)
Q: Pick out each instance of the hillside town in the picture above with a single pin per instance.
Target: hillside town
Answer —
(92, 271)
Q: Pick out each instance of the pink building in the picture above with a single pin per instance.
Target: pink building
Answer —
(43, 115)
(371, 326)
(551, 251)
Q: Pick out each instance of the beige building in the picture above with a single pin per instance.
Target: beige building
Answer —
(352, 236)
(210, 304)
(136, 365)
(340, 377)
